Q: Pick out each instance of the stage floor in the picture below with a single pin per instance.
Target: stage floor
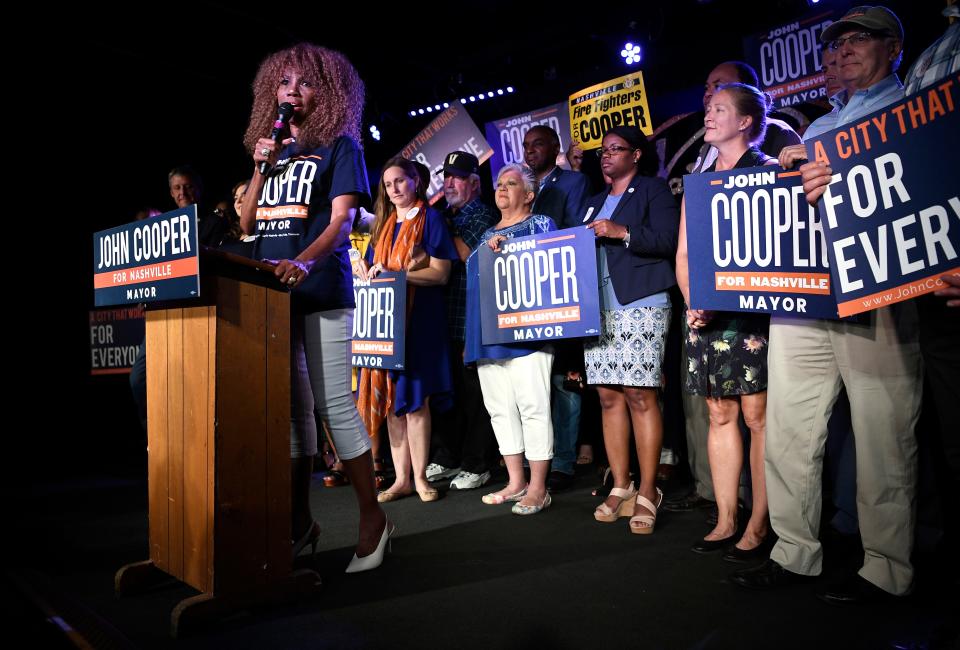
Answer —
(462, 575)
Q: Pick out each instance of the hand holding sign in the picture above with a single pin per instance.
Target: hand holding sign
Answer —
(952, 290)
(699, 318)
(357, 266)
(792, 154)
(608, 229)
(816, 176)
(575, 156)
(373, 271)
(495, 241)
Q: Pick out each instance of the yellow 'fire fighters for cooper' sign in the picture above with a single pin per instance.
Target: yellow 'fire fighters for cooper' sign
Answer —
(597, 109)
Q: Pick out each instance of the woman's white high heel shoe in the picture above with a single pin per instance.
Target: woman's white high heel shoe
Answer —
(375, 559)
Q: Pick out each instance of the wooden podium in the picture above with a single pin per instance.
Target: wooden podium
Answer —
(218, 414)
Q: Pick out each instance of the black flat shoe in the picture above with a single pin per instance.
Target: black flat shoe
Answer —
(708, 546)
(768, 575)
(740, 556)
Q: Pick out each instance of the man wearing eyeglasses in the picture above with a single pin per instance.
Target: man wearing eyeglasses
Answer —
(877, 360)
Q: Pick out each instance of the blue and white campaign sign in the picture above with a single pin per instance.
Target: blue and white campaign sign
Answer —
(787, 57)
(147, 261)
(115, 336)
(506, 135)
(379, 321)
(540, 287)
(754, 244)
(891, 213)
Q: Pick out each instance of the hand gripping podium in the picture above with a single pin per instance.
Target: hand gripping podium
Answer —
(218, 419)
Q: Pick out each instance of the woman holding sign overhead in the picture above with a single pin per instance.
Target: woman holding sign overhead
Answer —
(410, 236)
(727, 351)
(514, 378)
(635, 222)
(308, 181)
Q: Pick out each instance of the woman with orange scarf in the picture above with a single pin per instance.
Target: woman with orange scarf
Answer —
(409, 236)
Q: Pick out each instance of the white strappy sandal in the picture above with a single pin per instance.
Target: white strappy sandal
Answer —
(608, 515)
(644, 524)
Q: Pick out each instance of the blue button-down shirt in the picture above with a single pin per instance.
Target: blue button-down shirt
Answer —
(846, 108)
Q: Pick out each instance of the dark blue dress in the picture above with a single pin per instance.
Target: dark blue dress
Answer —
(427, 348)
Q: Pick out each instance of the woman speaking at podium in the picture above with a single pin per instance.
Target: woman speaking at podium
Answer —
(308, 181)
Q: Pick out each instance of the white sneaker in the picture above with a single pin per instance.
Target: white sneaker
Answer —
(469, 481)
(437, 472)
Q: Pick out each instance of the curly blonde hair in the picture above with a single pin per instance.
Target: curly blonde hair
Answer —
(338, 86)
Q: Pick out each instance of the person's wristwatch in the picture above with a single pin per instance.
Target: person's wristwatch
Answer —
(626, 238)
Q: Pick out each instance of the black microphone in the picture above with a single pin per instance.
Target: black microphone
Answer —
(284, 113)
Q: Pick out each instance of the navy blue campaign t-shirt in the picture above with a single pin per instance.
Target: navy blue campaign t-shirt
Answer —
(294, 208)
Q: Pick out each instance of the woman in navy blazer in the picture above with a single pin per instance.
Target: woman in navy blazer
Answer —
(636, 222)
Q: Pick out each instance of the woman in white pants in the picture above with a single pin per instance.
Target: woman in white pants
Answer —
(514, 378)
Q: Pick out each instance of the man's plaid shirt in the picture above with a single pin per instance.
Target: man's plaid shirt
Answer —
(469, 223)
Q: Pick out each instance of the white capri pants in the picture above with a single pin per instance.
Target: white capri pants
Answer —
(320, 376)
(516, 393)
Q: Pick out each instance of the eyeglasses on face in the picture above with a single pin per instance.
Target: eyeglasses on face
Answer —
(614, 150)
(854, 39)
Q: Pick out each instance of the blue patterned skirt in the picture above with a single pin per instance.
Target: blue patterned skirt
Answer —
(629, 351)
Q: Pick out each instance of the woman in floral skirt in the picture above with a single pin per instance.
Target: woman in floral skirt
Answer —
(727, 351)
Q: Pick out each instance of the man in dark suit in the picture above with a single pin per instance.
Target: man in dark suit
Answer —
(562, 193)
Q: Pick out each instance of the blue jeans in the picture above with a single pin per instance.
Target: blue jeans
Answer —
(565, 413)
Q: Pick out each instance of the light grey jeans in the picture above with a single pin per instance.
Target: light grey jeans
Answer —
(320, 377)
